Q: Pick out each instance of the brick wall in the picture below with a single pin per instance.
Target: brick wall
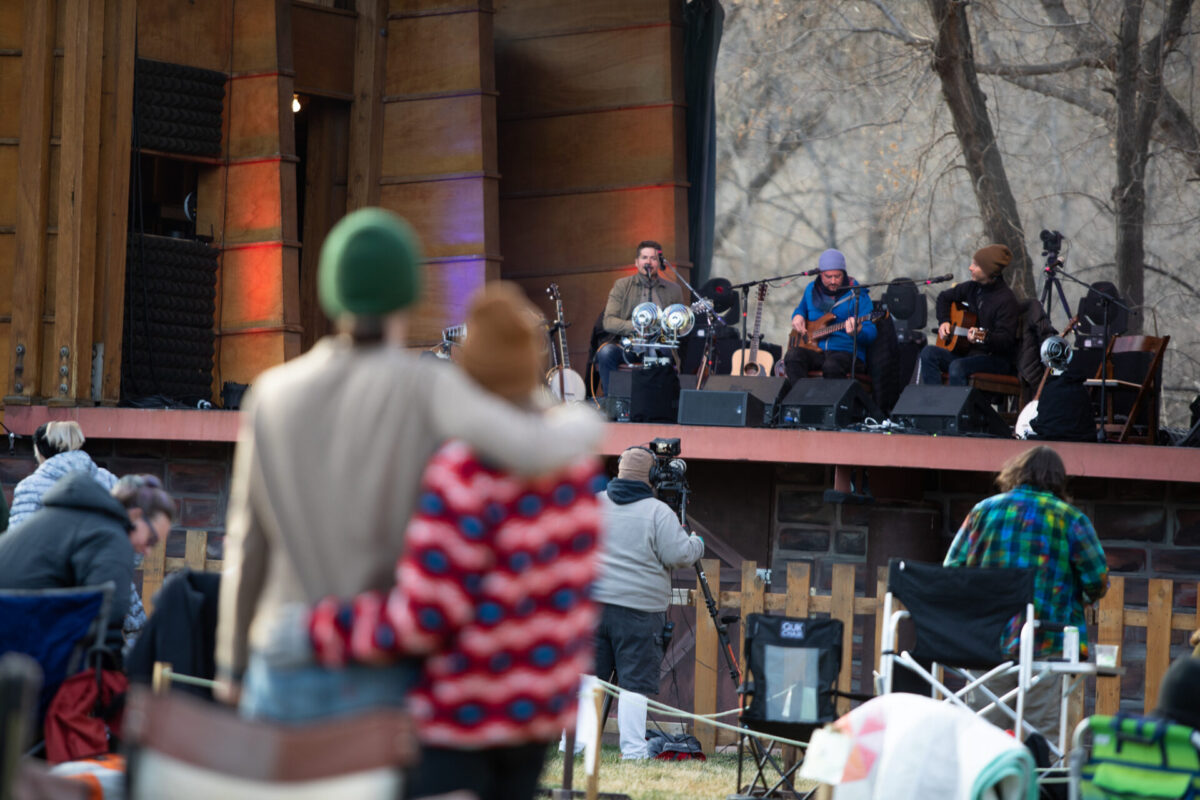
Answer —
(195, 473)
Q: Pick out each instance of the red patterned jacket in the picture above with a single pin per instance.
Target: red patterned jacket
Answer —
(494, 591)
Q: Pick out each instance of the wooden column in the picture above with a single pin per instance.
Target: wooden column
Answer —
(591, 135)
(116, 114)
(78, 181)
(258, 294)
(24, 349)
(438, 163)
(366, 116)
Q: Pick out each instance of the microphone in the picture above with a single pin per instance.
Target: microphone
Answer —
(949, 276)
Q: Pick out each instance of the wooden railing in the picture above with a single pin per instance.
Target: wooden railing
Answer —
(156, 566)
(1110, 619)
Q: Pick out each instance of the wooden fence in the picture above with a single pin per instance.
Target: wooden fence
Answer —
(1110, 619)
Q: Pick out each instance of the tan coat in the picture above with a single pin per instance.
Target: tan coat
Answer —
(329, 457)
(628, 293)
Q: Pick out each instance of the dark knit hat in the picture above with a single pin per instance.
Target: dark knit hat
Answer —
(1179, 693)
(831, 260)
(635, 464)
(992, 259)
(505, 350)
(369, 265)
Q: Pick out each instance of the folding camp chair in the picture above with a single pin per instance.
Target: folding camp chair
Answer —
(58, 628)
(791, 668)
(960, 615)
(187, 748)
(1134, 757)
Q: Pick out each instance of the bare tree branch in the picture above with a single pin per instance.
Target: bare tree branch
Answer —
(1053, 68)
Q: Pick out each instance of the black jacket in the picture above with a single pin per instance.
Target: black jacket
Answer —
(996, 308)
(182, 630)
(79, 538)
(1064, 411)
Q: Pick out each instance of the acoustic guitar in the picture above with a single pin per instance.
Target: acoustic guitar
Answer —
(826, 325)
(961, 321)
(565, 383)
(750, 361)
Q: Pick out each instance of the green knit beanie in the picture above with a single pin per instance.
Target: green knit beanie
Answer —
(369, 265)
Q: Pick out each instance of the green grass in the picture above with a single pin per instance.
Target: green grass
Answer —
(713, 779)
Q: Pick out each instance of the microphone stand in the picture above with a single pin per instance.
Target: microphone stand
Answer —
(1106, 300)
(745, 287)
(710, 312)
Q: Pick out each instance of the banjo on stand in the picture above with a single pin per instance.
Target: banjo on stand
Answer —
(565, 383)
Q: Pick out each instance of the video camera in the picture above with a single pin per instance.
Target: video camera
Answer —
(1051, 243)
(669, 477)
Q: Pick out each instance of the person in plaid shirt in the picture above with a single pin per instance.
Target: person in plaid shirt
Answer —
(1031, 524)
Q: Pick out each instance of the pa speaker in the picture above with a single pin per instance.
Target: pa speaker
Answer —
(730, 409)
(826, 403)
(767, 388)
(643, 394)
(948, 410)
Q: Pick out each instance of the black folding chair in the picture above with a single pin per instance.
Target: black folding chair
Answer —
(791, 668)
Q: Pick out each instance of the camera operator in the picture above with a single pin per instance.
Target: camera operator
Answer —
(643, 542)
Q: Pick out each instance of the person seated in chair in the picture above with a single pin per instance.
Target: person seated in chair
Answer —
(992, 340)
(85, 536)
(1031, 524)
(1064, 408)
(830, 294)
(626, 295)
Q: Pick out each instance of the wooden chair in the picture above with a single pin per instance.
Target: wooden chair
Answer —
(1145, 388)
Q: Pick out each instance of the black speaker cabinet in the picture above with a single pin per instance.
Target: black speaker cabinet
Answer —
(729, 409)
(643, 394)
(948, 410)
(767, 388)
(827, 403)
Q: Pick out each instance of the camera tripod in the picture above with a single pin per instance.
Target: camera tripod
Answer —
(1053, 283)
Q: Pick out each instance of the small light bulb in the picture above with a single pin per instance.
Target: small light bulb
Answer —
(295, 104)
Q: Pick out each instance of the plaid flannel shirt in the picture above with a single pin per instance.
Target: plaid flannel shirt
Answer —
(1030, 528)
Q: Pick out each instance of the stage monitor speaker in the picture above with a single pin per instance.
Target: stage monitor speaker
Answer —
(827, 403)
(643, 394)
(767, 388)
(729, 409)
(948, 410)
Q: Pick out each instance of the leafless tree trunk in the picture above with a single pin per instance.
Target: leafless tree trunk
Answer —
(954, 63)
(1139, 76)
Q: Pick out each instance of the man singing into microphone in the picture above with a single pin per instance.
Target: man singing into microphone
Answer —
(627, 293)
(992, 341)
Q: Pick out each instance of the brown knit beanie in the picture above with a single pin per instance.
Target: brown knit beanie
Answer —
(635, 464)
(506, 344)
(992, 259)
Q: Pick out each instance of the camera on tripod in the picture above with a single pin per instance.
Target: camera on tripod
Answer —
(669, 477)
(1051, 246)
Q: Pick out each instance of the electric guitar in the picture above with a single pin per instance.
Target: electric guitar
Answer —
(750, 361)
(565, 383)
(961, 321)
(826, 325)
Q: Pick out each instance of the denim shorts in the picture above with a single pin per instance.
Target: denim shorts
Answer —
(301, 694)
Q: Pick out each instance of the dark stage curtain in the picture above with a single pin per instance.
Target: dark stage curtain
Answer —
(703, 23)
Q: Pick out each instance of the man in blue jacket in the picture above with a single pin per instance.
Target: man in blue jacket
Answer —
(830, 353)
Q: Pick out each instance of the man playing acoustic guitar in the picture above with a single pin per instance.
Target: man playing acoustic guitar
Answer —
(977, 330)
(825, 323)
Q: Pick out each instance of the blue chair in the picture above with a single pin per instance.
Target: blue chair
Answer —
(58, 628)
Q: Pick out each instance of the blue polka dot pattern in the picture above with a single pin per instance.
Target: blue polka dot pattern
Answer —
(470, 714)
(431, 504)
(471, 527)
(345, 618)
(543, 655)
(547, 553)
(500, 662)
(529, 505)
(459, 663)
(385, 637)
(489, 613)
(521, 709)
(563, 599)
(435, 561)
(598, 484)
(519, 562)
(494, 513)
(582, 542)
(564, 494)
(473, 583)
(557, 703)
(430, 619)
(525, 607)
